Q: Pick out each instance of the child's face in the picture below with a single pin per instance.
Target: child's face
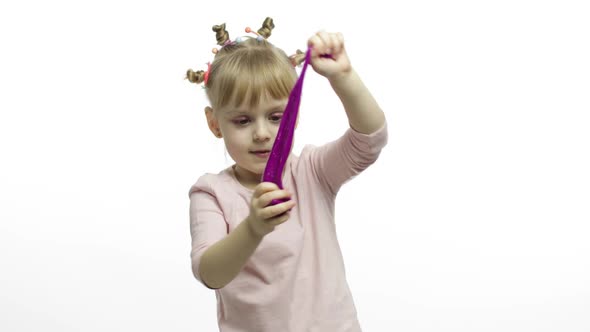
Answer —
(247, 129)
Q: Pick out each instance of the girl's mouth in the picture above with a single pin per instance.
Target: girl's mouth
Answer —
(262, 154)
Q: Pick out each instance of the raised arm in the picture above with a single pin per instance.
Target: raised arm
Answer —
(364, 114)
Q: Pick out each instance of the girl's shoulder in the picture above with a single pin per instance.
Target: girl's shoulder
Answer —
(211, 183)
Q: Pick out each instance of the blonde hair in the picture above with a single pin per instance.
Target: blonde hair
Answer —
(247, 69)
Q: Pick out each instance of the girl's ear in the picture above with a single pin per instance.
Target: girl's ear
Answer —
(212, 122)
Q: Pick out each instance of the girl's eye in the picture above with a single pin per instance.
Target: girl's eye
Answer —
(244, 121)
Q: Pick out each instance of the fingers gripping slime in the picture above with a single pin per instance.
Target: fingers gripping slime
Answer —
(282, 145)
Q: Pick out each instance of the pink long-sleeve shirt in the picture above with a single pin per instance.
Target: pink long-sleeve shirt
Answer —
(295, 280)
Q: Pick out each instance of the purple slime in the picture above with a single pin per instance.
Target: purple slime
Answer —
(282, 145)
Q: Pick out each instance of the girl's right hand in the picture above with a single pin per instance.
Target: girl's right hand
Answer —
(264, 218)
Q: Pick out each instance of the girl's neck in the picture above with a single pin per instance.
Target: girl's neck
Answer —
(248, 183)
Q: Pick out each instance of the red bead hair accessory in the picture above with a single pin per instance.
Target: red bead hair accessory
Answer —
(207, 74)
(258, 36)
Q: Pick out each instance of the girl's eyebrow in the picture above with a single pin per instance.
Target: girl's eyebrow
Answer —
(280, 107)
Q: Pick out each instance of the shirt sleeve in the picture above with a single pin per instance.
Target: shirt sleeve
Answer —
(339, 161)
(207, 225)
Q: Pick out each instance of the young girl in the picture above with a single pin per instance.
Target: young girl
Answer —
(277, 268)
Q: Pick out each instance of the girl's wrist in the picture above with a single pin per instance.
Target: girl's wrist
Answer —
(252, 231)
(342, 78)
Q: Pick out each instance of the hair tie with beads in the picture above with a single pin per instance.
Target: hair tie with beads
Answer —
(207, 74)
(259, 37)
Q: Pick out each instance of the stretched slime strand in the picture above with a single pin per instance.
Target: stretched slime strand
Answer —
(282, 145)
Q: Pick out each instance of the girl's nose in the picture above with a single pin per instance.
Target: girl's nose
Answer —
(261, 133)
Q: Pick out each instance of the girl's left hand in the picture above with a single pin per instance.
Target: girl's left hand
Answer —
(328, 56)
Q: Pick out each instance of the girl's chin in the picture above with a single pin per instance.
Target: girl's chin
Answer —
(255, 171)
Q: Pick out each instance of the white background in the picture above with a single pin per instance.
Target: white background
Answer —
(474, 218)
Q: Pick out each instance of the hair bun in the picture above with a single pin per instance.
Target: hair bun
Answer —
(220, 33)
(195, 77)
(267, 27)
